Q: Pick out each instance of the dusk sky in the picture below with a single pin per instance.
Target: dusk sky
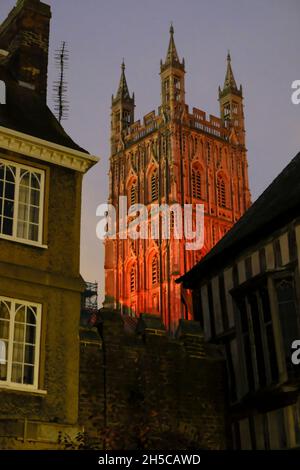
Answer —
(264, 41)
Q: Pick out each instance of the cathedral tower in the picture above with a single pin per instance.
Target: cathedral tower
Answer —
(177, 157)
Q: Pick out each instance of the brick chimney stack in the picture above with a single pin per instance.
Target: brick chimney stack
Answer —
(25, 35)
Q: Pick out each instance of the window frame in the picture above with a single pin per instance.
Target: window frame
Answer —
(222, 195)
(154, 185)
(268, 279)
(8, 383)
(155, 271)
(197, 182)
(31, 169)
(132, 280)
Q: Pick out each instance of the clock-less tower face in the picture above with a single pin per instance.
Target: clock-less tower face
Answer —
(173, 157)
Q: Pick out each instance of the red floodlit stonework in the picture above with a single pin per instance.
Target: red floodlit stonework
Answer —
(175, 156)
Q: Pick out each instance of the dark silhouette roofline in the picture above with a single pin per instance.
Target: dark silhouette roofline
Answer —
(26, 112)
(278, 204)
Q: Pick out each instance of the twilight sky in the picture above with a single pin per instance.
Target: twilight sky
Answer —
(264, 40)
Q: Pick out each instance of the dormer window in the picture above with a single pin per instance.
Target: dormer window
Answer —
(2, 92)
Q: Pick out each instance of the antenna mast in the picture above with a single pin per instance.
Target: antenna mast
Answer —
(61, 106)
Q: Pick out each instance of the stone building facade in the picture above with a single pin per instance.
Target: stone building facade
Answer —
(177, 157)
(246, 294)
(41, 172)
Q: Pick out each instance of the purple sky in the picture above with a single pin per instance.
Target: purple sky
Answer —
(264, 40)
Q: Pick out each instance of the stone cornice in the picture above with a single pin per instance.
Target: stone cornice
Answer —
(50, 152)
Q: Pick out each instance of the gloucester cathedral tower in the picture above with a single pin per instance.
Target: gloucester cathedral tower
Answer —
(177, 156)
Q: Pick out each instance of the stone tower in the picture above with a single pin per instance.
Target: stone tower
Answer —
(178, 157)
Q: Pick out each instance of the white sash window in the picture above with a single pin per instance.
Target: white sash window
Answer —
(20, 330)
(21, 202)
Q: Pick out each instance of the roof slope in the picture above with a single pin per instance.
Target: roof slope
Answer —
(277, 205)
(26, 112)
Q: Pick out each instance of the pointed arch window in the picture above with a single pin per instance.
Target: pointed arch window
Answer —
(132, 279)
(196, 183)
(221, 191)
(155, 270)
(132, 194)
(154, 185)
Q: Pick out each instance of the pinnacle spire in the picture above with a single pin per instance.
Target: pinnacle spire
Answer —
(123, 92)
(172, 55)
(229, 77)
(172, 58)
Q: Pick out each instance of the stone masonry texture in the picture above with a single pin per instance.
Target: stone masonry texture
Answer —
(145, 390)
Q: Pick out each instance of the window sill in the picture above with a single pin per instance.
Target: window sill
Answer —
(23, 242)
(19, 388)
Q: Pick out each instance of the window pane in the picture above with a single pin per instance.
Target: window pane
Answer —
(31, 316)
(33, 232)
(30, 334)
(10, 174)
(9, 192)
(8, 209)
(4, 310)
(260, 362)
(3, 359)
(248, 361)
(23, 212)
(7, 226)
(19, 334)
(35, 198)
(18, 352)
(34, 214)
(20, 313)
(287, 313)
(29, 354)
(35, 180)
(4, 329)
(4, 335)
(243, 314)
(272, 352)
(22, 230)
(296, 411)
(24, 195)
(28, 375)
(25, 178)
(16, 373)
